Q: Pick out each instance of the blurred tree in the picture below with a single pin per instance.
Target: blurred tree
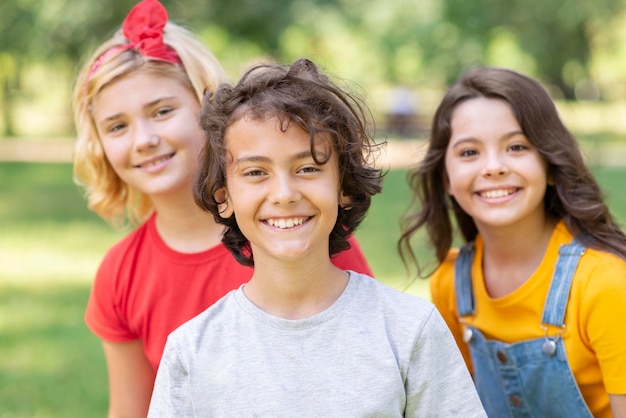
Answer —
(52, 32)
(608, 63)
(372, 42)
(556, 34)
(15, 38)
(260, 21)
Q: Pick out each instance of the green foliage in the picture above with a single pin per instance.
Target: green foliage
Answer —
(575, 47)
(554, 34)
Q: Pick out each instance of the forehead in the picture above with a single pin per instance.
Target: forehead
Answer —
(480, 105)
(477, 112)
(138, 89)
(272, 136)
(145, 83)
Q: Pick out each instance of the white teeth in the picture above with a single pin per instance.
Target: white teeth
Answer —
(159, 161)
(494, 194)
(285, 223)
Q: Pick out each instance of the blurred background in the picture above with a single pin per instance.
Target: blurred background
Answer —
(576, 48)
(401, 55)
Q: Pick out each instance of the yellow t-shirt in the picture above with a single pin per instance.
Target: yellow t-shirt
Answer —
(595, 334)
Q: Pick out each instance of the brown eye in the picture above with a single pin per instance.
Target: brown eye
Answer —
(518, 147)
(309, 169)
(468, 153)
(116, 127)
(163, 111)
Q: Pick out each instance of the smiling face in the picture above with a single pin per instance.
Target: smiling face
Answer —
(285, 203)
(149, 132)
(493, 171)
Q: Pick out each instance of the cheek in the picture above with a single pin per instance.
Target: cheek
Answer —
(458, 181)
(115, 151)
(546, 180)
(539, 169)
(197, 138)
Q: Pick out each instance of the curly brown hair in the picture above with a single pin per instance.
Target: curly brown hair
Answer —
(297, 94)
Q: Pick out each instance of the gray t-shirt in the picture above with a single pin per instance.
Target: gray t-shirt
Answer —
(376, 352)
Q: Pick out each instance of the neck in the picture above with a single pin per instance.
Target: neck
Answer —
(296, 290)
(519, 240)
(185, 227)
(511, 255)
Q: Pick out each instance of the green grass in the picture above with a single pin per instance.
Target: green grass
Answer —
(380, 230)
(50, 247)
(50, 366)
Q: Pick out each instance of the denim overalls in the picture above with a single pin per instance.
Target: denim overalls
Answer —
(529, 378)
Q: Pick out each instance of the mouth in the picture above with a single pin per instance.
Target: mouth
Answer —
(497, 193)
(286, 223)
(155, 161)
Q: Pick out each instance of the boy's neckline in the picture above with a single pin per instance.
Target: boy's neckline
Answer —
(282, 300)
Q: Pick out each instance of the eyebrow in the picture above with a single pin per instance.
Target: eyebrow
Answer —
(472, 139)
(146, 106)
(298, 156)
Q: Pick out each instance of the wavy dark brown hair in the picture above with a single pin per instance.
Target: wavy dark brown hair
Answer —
(575, 196)
(297, 94)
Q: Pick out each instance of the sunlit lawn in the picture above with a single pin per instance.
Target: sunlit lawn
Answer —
(50, 246)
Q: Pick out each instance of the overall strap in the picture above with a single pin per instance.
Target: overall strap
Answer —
(463, 280)
(558, 295)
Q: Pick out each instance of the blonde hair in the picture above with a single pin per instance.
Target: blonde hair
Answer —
(106, 193)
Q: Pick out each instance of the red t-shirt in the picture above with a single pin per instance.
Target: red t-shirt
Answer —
(144, 289)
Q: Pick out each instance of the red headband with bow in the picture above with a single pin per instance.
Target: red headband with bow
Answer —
(143, 27)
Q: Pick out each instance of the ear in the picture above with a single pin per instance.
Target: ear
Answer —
(345, 201)
(225, 208)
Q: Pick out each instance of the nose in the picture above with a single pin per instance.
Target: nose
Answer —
(145, 136)
(284, 189)
(495, 165)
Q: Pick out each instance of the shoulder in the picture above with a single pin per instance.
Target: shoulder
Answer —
(603, 259)
(598, 294)
(213, 319)
(448, 264)
(442, 279)
(601, 270)
(405, 318)
(597, 305)
(396, 306)
(134, 239)
(124, 248)
(208, 334)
